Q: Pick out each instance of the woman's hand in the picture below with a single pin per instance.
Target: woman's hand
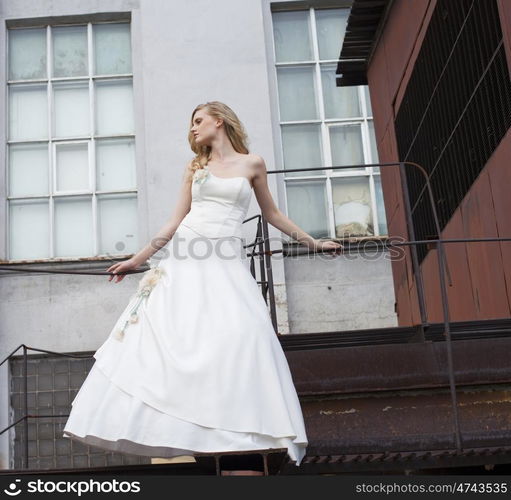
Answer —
(328, 245)
(121, 267)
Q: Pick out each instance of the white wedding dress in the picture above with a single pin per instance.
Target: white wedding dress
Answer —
(193, 363)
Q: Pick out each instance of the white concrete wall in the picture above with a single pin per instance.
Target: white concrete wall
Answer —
(353, 291)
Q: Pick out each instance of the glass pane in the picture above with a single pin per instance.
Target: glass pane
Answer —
(307, 206)
(368, 101)
(302, 148)
(352, 207)
(29, 229)
(115, 160)
(28, 112)
(292, 36)
(28, 169)
(114, 108)
(73, 227)
(380, 206)
(346, 146)
(70, 53)
(27, 53)
(112, 49)
(117, 216)
(71, 104)
(340, 102)
(297, 96)
(72, 161)
(331, 26)
(372, 140)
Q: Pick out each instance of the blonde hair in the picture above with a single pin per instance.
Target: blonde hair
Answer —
(233, 128)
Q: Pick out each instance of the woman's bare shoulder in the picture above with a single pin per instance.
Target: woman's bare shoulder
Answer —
(256, 161)
(258, 166)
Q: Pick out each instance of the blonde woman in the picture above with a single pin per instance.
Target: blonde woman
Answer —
(193, 364)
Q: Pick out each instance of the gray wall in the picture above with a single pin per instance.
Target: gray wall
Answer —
(184, 53)
(351, 292)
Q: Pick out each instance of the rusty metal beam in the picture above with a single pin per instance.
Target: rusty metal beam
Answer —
(407, 421)
(344, 370)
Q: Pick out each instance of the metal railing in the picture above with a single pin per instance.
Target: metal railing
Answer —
(26, 415)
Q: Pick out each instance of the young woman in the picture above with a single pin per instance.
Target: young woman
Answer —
(193, 363)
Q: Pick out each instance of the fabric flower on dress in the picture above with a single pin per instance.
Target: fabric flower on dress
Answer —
(145, 286)
(200, 175)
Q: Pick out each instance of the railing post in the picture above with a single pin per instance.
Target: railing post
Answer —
(254, 245)
(415, 260)
(260, 248)
(25, 403)
(447, 333)
(444, 269)
(269, 274)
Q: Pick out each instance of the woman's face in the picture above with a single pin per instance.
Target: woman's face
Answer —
(204, 128)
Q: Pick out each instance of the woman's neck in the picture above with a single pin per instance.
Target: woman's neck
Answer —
(222, 150)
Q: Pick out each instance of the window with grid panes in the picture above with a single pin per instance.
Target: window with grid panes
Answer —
(323, 125)
(71, 186)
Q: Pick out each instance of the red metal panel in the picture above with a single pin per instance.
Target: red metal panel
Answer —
(485, 259)
(461, 302)
(403, 267)
(480, 272)
(461, 299)
(400, 36)
(432, 287)
(396, 223)
(426, 17)
(500, 181)
(384, 74)
(381, 102)
(387, 153)
(404, 307)
(414, 299)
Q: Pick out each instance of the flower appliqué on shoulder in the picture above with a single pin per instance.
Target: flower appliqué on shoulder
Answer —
(200, 175)
(145, 286)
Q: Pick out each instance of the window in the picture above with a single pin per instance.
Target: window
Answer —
(324, 125)
(71, 163)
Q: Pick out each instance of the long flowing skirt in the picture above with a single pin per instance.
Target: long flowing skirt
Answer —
(192, 364)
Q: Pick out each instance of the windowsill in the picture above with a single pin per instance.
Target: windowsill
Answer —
(356, 243)
(353, 239)
(78, 263)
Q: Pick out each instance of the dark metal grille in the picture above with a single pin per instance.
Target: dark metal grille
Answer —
(456, 109)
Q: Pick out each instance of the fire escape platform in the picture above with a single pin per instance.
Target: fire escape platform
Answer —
(380, 399)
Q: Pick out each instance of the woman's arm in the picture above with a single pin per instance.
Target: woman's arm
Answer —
(169, 228)
(165, 233)
(276, 218)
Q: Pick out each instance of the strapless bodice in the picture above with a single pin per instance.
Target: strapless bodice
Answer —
(219, 204)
